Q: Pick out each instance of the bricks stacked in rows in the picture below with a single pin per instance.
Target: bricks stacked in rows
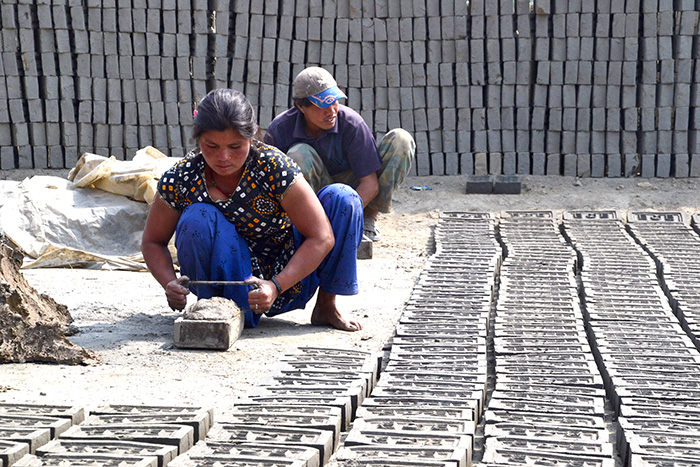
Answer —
(548, 389)
(310, 397)
(432, 390)
(650, 365)
(102, 77)
(32, 435)
(665, 88)
(675, 246)
(578, 88)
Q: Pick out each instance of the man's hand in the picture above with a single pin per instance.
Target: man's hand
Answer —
(368, 188)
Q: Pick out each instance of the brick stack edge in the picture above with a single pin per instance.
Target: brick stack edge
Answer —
(544, 87)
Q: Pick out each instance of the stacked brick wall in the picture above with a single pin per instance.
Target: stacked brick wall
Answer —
(546, 87)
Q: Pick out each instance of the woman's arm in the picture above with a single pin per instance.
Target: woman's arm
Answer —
(306, 213)
(160, 227)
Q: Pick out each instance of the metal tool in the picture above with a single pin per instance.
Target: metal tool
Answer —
(187, 283)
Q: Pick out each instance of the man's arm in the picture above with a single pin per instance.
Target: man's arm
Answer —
(368, 188)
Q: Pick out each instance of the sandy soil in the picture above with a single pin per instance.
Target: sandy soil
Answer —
(123, 316)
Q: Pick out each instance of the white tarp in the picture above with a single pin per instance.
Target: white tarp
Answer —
(61, 223)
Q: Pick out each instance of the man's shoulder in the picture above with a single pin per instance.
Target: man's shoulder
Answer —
(288, 116)
(350, 116)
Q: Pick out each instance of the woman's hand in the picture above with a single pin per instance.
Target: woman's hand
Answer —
(177, 293)
(261, 298)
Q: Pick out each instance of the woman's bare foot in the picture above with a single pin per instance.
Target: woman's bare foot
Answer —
(326, 314)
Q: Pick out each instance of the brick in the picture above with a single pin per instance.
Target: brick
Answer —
(215, 450)
(266, 435)
(174, 435)
(11, 451)
(410, 438)
(33, 437)
(116, 449)
(523, 163)
(480, 184)
(404, 455)
(663, 165)
(553, 164)
(287, 418)
(507, 184)
(648, 169)
(57, 460)
(210, 324)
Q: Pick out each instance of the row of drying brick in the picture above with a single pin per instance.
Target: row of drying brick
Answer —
(434, 384)
(650, 366)
(41, 435)
(309, 399)
(548, 403)
(675, 246)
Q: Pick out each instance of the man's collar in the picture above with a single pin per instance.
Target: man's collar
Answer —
(299, 127)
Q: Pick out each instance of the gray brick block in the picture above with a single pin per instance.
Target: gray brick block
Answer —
(681, 165)
(648, 169)
(508, 142)
(422, 162)
(509, 163)
(570, 165)
(523, 163)
(538, 163)
(7, 157)
(480, 184)
(537, 141)
(597, 165)
(495, 163)
(464, 142)
(437, 160)
(494, 140)
(480, 163)
(614, 166)
(452, 165)
(5, 134)
(553, 164)
(507, 184)
(664, 142)
(25, 158)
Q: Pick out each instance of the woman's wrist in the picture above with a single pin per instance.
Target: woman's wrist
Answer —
(277, 286)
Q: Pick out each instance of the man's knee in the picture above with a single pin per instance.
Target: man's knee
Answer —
(301, 152)
(401, 141)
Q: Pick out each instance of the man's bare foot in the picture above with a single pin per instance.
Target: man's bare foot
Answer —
(326, 314)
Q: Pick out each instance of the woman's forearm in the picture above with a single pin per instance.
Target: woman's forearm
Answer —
(304, 261)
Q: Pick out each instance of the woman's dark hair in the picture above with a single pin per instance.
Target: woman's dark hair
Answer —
(224, 109)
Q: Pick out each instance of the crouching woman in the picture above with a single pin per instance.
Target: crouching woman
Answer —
(242, 210)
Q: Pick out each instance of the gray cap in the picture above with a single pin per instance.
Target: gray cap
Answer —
(317, 85)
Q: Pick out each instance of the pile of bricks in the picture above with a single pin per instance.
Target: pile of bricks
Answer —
(548, 403)
(545, 87)
(650, 366)
(107, 77)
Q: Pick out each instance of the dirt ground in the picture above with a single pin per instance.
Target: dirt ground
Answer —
(124, 318)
